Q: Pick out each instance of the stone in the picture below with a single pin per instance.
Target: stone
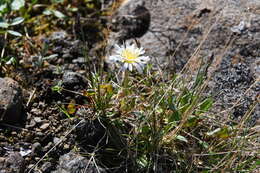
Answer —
(45, 126)
(56, 140)
(59, 35)
(10, 101)
(13, 163)
(74, 163)
(36, 147)
(79, 60)
(71, 79)
(46, 167)
(91, 133)
(37, 119)
(185, 30)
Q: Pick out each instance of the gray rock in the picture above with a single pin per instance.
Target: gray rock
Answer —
(178, 27)
(37, 119)
(13, 163)
(79, 60)
(45, 126)
(71, 79)
(10, 101)
(56, 140)
(60, 35)
(46, 167)
(36, 147)
(74, 163)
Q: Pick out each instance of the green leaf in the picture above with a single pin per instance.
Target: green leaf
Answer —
(175, 116)
(58, 14)
(55, 13)
(11, 61)
(14, 33)
(204, 144)
(184, 108)
(220, 133)
(17, 4)
(181, 138)
(192, 121)
(4, 25)
(205, 105)
(213, 132)
(186, 97)
(57, 88)
(17, 21)
(257, 162)
(142, 161)
(63, 110)
(3, 7)
(57, 1)
(47, 12)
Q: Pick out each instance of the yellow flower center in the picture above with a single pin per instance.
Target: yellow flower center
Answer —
(129, 56)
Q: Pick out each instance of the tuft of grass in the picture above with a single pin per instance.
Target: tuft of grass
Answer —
(166, 124)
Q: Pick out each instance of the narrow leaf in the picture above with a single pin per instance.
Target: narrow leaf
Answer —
(58, 14)
(14, 33)
(4, 25)
(17, 21)
(181, 138)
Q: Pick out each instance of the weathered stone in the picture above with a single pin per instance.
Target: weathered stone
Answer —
(60, 35)
(46, 167)
(74, 163)
(71, 79)
(182, 30)
(13, 163)
(10, 101)
(45, 126)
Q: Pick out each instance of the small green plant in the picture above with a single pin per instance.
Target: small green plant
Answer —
(6, 23)
(168, 124)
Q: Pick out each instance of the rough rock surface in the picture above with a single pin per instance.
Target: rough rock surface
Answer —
(227, 30)
(74, 163)
(13, 163)
(70, 79)
(10, 100)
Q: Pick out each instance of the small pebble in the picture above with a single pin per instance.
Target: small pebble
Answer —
(14, 133)
(45, 126)
(56, 140)
(36, 111)
(66, 146)
(46, 167)
(37, 119)
(36, 147)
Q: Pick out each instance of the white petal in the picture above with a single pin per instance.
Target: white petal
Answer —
(130, 67)
(144, 58)
(127, 45)
(132, 48)
(141, 52)
(125, 66)
(117, 47)
(114, 58)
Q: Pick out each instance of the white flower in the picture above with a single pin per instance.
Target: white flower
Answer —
(129, 55)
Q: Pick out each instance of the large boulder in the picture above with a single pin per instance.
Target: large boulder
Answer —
(10, 100)
(190, 30)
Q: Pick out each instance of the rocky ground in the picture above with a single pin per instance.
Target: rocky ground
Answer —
(227, 31)
(172, 32)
